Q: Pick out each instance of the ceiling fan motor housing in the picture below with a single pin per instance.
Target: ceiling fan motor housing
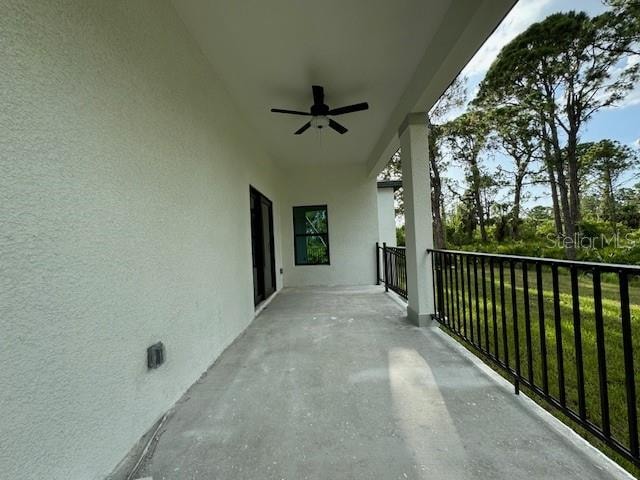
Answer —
(320, 109)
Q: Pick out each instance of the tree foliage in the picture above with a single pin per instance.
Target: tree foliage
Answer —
(531, 108)
(559, 73)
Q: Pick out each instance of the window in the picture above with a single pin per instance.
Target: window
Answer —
(311, 235)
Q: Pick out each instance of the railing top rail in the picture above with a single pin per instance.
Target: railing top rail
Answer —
(616, 267)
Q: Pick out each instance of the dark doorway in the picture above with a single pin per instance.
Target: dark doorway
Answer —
(262, 250)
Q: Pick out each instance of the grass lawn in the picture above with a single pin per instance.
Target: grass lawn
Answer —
(612, 334)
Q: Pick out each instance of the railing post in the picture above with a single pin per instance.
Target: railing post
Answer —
(386, 266)
(377, 263)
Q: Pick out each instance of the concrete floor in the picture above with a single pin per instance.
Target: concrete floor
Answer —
(332, 383)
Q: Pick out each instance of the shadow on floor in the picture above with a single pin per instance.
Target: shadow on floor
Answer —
(332, 383)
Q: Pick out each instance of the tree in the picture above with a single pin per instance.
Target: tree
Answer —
(623, 21)
(629, 211)
(563, 70)
(463, 219)
(393, 171)
(466, 137)
(606, 161)
(539, 213)
(516, 133)
(453, 98)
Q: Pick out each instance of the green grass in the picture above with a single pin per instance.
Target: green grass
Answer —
(613, 340)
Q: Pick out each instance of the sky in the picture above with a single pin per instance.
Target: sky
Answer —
(620, 123)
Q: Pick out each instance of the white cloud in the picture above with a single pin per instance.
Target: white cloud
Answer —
(521, 16)
(637, 142)
(633, 97)
(630, 99)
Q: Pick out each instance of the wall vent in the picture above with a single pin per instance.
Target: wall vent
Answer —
(155, 355)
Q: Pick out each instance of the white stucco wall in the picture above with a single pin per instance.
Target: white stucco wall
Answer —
(386, 217)
(124, 220)
(351, 199)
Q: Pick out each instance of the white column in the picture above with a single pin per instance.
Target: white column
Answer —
(416, 182)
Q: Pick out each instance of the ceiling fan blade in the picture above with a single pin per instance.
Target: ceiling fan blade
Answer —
(337, 127)
(291, 112)
(318, 94)
(350, 108)
(303, 128)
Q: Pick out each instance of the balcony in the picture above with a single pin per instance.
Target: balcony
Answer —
(562, 329)
(334, 383)
(159, 221)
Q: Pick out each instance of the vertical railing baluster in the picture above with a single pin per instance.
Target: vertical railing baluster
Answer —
(433, 276)
(487, 343)
(390, 257)
(558, 330)
(377, 263)
(441, 287)
(451, 293)
(445, 287)
(542, 328)
(436, 284)
(494, 312)
(464, 300)
(404, 275)
(503, 316)
(455, 268)
(394, 270)
(475, 284)
(527, 321)
(398, 260)
(401, 273)
(470, 302)
(516, 330)
(577, 337)
(386, 266)
(602, 359)
(629, 374)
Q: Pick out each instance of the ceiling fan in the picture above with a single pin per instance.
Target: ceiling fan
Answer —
(320, 113)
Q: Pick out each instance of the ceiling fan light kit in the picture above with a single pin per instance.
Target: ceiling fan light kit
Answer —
(321, 121)
(320, 113)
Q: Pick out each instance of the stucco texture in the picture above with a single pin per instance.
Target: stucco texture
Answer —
(124, 220)
(351, 199)
(386, 217)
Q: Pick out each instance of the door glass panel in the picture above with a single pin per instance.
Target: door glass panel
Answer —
(269, 286)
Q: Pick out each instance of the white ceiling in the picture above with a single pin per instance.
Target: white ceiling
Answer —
(269, 53)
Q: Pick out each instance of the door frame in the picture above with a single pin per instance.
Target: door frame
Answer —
(261, 254)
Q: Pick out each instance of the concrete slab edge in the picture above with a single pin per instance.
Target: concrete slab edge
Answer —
(398, 299)
(563, 429)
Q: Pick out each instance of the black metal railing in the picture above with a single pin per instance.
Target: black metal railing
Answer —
(391, 268)
(563, 329)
